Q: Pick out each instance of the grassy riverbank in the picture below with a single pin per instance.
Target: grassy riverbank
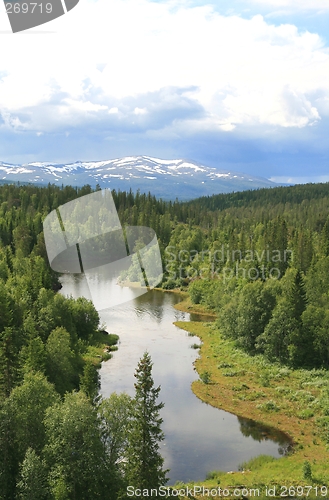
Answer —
(100, 347)
(186, 305)
(293, 401)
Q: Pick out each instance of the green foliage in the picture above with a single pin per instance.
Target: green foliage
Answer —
(307, 470)
(85, 317)
(268, 406)
(256, 462)
(60, 361)
(212, 475)
(305, 414)
(45, 334)
(32, 484)
(254, 310)
(197, 291)
(8, 456)
(9, 359)
(74, 451)
(144, 467)
(205, 377)
(90, 381)
(27, 405)
(116, 417)
(21, 427)
(34, 356)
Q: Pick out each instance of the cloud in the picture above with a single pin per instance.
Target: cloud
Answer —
(152, 110)
(300, 180)
(292, 5)
(162, 69)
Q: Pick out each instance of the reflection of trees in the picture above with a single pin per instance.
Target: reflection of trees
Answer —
(261, 432)
(201, 317)
(150, 304)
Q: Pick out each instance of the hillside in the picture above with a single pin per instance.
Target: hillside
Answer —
(168, 179)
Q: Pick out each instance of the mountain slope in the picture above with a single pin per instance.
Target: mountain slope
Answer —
(164, 178)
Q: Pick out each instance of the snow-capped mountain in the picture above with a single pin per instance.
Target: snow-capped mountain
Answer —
(164, 178)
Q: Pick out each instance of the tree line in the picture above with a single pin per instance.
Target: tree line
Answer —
(77, 447)
(58, 439)
(222, 249)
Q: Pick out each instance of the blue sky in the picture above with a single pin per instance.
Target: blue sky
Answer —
(237, 85)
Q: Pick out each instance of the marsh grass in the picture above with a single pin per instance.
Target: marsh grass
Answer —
(256, 463)
(100, 346)
(294, 401)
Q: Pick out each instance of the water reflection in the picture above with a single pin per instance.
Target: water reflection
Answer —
(260, 432)
(199, 437)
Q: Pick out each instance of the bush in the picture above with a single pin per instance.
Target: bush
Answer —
(169, 285)
(212, 475)
(256, 462)
(305, 414)
(224, 365)
(234, 373)
(205, 377)
(268, 406)
(202, 292)
(307, 470)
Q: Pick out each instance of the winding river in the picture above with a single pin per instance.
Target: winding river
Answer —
(199, 438)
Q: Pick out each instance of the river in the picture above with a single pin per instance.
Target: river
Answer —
(198, 437)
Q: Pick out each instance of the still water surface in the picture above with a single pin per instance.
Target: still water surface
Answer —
(199, 438)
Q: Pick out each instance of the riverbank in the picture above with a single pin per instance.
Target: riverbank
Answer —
(186, 306)
(293, 401)
(100, 347)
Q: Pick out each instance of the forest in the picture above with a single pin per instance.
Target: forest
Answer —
(258, 259)
(59, 439)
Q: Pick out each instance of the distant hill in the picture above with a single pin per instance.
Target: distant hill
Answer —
(283, 195)
(168, 179)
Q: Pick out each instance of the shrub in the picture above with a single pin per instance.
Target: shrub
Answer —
(224, 365)
(265, 379)
(282, 390)
(256, 462)
(211, 475)
(268, 406)
(169, 285)
(305, 414)
(205, 377)
(283, 372)
(234, 373)
(307, 470)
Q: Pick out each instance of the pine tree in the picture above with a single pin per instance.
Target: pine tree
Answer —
(144, 468)
(9, 372)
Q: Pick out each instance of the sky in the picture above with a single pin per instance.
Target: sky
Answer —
(239, 85)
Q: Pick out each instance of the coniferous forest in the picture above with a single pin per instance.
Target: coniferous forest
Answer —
(58, 439)
(258, 259)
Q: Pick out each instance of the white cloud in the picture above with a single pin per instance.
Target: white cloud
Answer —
(239, 71)
(300, 180)
(140, 111)
(306, 5)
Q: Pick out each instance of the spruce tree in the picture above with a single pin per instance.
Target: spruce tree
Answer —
(144, 468)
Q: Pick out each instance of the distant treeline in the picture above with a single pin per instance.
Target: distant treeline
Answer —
(222, 242)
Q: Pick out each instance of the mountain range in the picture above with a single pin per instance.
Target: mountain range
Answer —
(168, 179)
